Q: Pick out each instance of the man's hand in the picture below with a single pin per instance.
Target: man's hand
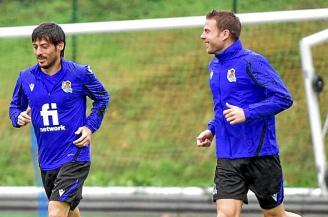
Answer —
(24, 117)
(234, 114)
(85, 138)
(204, 139)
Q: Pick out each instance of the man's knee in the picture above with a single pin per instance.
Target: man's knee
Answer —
(56, 213)
(279, 211)
(285, 214)
(228, 212)
(74, 213)
(57, 209)
(290, 214)
(228, 207)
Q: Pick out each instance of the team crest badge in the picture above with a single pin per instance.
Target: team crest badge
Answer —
(67, 86)
(231, 75)
(31, 86)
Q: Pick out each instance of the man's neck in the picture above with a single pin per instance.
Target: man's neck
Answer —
(52, 69)
(226, 45)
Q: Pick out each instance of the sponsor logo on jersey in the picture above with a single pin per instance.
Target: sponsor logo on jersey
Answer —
(231, 75)
(31, 86)
(67, 86)
(274, 196)
(61, 192)
(49, 111)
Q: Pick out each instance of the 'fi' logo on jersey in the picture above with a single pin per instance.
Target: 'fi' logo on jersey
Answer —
(231, 75)
(67, 86)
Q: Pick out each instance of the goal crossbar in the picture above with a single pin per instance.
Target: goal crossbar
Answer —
(170, 23)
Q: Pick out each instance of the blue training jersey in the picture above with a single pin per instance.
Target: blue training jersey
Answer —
(245, 79)
(58, 108)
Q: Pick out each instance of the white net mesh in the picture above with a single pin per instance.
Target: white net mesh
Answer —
(161, 101)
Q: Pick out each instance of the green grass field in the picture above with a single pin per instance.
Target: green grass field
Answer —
(160, 95)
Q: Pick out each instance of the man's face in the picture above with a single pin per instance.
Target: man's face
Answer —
(212, 37)
(46, 53)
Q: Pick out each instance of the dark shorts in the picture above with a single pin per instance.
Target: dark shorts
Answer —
(262, 175)
(65, 183)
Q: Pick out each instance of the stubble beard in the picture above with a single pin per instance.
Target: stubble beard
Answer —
(50, 64)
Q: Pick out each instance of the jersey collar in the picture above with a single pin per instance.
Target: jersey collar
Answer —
(230, 52)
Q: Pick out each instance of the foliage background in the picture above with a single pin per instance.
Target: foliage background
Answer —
(160, 95)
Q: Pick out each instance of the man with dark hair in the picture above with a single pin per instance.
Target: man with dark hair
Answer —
(52, 96)
(247, 94)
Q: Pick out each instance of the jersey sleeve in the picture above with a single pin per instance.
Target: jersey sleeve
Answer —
(211, 126)
(19, 102)
(96, 91)
(277, 97)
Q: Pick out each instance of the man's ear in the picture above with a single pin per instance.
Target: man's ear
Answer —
(60, 46)
(226, 34)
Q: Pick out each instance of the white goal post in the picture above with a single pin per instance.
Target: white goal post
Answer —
(317, 132)
(198, 21)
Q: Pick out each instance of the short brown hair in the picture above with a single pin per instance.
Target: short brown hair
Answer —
(50, 32)
(226, 20)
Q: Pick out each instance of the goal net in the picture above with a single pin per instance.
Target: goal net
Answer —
(158, 81)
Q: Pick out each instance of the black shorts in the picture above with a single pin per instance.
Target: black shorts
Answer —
(65, 183)
(262, 175)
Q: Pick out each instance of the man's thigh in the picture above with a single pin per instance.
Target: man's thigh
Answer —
(66, 185)
(267, 184)
(229, 182)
